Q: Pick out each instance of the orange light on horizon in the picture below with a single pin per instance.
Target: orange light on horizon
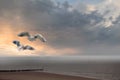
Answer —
(8, 34)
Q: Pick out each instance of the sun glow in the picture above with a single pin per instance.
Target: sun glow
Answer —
(7, 35)
(7, 48)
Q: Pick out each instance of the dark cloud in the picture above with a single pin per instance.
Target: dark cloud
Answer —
(68, 26)
(63, 26)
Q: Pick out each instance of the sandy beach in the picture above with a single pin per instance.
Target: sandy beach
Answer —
(37, 76)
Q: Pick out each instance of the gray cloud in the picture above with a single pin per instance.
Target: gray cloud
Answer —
(64, 25)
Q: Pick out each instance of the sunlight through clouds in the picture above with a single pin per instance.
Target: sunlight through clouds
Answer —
(72, 27)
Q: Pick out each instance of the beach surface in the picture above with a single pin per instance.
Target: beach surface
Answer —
(37, 76)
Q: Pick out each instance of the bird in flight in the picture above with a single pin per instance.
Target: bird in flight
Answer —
(32, 37)
(22, 47)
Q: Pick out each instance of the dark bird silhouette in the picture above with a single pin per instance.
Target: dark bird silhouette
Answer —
(32, 37)
(22, 47)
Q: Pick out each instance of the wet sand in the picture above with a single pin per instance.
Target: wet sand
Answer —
(37, 76)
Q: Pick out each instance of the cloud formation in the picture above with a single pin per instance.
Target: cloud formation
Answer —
(109, 10)
(68, 27)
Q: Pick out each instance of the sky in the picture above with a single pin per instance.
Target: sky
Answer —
(71, 27)
(85, 1)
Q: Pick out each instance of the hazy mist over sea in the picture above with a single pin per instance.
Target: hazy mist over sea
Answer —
(102, 67)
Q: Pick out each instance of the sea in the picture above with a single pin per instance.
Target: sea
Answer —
(99, 67)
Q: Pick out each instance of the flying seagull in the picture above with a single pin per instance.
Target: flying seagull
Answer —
(32, 37)
(22, 47)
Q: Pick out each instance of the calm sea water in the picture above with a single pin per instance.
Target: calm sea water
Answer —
(105, 68)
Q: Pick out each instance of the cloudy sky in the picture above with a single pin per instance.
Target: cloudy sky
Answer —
(71, 27)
